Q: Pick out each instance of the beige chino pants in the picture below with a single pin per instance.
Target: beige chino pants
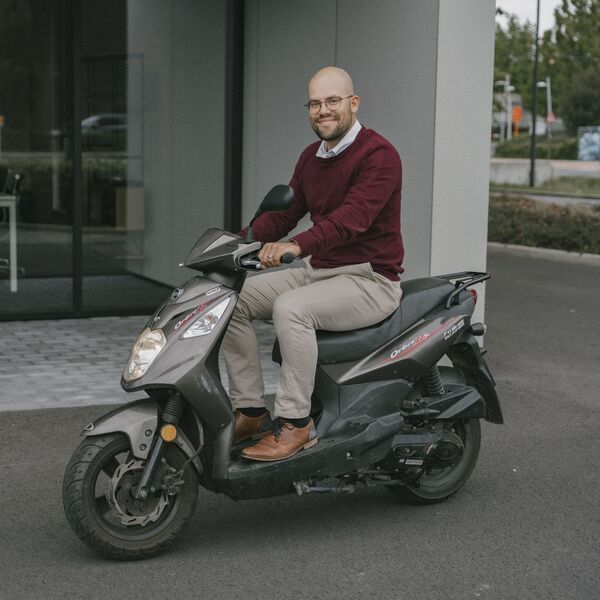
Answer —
(300, 301)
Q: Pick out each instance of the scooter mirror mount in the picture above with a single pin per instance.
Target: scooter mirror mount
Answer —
(278, 198)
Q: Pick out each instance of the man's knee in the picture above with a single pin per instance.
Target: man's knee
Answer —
(246, 302)
(287, 309)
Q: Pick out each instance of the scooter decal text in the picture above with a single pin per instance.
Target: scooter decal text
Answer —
(454, 329)
(213, 291)
(411, 345)
(189, 316)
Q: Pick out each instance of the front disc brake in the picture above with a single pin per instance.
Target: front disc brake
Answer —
(119, 496)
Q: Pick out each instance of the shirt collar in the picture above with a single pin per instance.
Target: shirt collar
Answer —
(350, 136)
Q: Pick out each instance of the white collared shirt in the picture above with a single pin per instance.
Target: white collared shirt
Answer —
(350, 136)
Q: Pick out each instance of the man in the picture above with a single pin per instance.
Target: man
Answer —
(350, 182)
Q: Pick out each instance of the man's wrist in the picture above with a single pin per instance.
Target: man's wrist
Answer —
(296, 244)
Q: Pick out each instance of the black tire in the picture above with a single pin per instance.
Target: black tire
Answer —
(92, 517)
(440, 484)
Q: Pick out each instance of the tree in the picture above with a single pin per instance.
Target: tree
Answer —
(582, 101)
(514, 54)
(571, 48)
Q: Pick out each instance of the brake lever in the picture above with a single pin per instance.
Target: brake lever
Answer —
(250, 263)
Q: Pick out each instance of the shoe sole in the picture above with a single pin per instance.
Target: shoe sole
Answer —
(306, 446)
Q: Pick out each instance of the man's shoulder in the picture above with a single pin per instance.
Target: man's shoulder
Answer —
(310, 150)
(373, 140)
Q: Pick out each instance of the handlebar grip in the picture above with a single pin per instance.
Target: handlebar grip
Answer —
(287, 258)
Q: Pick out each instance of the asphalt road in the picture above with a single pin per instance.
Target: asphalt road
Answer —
(525, 526)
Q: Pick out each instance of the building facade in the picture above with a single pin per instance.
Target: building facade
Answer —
(138, 124)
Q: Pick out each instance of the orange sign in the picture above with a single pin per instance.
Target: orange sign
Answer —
(1, 120)
(517, 114)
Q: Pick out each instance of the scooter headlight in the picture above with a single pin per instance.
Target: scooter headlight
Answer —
(146, 349)
(204, 324)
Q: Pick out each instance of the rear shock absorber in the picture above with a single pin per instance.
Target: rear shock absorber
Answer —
(433, 382)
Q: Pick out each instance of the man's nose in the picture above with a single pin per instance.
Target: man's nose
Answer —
(323, 109)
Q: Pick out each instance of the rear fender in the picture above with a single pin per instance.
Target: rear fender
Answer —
(467, 356)
(138, 420)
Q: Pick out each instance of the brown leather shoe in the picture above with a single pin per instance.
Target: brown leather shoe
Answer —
(253, 428)
(284, 441)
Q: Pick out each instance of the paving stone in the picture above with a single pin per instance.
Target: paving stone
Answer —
(78, 362)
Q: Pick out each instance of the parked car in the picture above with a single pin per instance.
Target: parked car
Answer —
(107, 130)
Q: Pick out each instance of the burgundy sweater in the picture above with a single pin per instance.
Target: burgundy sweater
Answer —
(354, 204)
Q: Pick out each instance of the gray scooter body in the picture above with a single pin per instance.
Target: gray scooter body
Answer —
(359, 397)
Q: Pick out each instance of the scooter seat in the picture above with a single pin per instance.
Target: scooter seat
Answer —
(419, 296)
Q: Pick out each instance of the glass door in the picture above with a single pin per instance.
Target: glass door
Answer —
(36, 158)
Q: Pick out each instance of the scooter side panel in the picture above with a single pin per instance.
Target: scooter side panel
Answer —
(409, 355)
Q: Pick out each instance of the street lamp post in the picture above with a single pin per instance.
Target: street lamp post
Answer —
(549, 116)
(507, 91)
(535, 87)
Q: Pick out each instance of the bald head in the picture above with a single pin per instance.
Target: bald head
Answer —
(331, 81)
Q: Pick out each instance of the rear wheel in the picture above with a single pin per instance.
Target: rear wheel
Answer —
(100, 506)
(439, 484)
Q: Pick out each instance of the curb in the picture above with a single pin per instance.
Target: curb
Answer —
(547, 253)
(537, 192)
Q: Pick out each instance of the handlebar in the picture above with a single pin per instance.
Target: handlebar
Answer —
(251, 261)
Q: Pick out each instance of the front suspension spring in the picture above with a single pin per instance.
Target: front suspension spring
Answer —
(173, 409)
(433, 382)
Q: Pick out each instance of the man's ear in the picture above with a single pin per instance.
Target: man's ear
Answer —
(354, 103)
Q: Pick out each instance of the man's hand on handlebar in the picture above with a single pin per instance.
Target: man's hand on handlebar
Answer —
(271, 253)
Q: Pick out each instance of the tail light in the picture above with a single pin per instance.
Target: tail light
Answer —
(474, 295)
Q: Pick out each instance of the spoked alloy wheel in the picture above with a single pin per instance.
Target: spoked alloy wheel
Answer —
(100, 506)
(439, 484)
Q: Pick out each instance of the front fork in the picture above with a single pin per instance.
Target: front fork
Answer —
(170, 417)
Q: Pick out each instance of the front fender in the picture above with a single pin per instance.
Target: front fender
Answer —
(138, 420)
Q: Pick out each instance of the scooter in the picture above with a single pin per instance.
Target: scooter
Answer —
(386, 413)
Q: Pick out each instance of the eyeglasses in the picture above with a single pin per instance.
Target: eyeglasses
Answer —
(332, 103)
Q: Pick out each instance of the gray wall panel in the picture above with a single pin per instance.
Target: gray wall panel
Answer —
(183, 43)
(286, 42)
(390, 49)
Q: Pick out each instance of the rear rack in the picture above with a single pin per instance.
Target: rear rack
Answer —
(463, 280)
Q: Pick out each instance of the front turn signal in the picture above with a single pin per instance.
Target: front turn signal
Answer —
(168, 432)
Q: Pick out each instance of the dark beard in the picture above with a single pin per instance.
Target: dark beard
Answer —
(337, 133)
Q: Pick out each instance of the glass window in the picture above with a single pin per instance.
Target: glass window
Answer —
(36, 213)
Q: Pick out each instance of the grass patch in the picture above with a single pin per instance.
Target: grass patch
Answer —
(562, 185)
(579, 185)
(518, 220)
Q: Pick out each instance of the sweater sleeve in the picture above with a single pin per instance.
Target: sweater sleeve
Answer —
(380, 174)
(272, 226)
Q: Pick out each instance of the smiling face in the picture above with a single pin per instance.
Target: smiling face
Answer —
(332, 125)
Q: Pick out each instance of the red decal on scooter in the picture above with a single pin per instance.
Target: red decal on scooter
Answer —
(188, 317)
(411, 345)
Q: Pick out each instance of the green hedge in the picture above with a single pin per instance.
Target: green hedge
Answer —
(518, 220)
(556, 148)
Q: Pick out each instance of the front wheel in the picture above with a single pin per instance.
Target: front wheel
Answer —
(100, 506)
(437, 485)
